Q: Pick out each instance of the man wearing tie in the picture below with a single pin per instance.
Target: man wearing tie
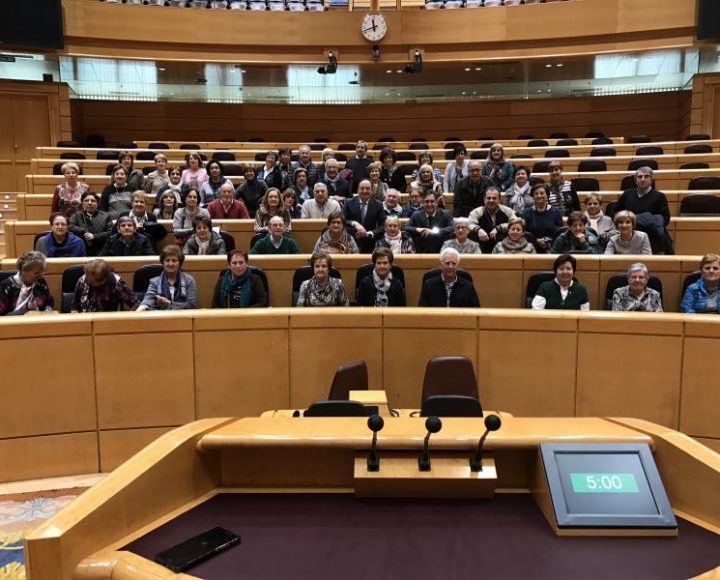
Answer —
(430, 227)
(365, 215)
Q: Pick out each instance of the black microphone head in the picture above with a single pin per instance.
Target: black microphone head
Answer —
(492, 422)
(375, 423)
(433, 424)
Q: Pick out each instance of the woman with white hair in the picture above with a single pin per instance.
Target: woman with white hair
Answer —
(426, 181)
(636, 296)
(462, 243)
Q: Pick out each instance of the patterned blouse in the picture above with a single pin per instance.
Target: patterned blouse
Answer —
(330, 293)
(625, 301)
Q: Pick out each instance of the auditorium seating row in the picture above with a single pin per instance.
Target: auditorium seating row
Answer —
(500, 281)
(536, 164)
(104, 385)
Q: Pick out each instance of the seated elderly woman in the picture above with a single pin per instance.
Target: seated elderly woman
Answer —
(515, 242)
(27, 290)
(271, 205)
(167, 207)
(629, 240)
(237, 286)
(127, 242)
(67, 196)
(702, 296)
(173, 289)
(597, 220)
(578, 238)
(636, 296)
(204, 241)
(322, 289)
(380, 288)
(116, 198)
(184, 216)
(518, 196)
(102, 290)
(564, 292)
(336, 239)
(427, 181)
(91, 225)
(60, 243)
(396, 240)
(461, 242)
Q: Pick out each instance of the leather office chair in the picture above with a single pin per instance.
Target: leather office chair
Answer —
(449, 375)
(350, 376)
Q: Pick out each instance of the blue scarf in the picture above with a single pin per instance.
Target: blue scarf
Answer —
(235, 292)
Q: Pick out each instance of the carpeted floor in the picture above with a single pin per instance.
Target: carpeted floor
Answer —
(17, 518)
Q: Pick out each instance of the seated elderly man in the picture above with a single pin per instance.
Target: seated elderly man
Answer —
(380, 288)
(391, 204)
(338, 187)
(490, 219)
(320, 206)
(448, 289)
(636, 296)
(127, 242)
(276, 242)
(226, 207)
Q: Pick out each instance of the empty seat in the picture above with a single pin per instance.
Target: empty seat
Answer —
(145, 155)
(71, 155)
(695, 165)
(346, 147)
(418, 146)
(70, 277)
(386, 139)
(107, 154)
(698, 137)
(479, 154)
(636, 164)
(341, 157)
(587, 165)
(705, 182)
(585, 184)
(525, 137)
(554, 153)
(601, 141)
(351, 376)
(537, 143)
(541, 167)
(158, 145)
(566, 142)
(603, 152)
(649, 150)
(559, 135)
(706, 204)
(317, 146)
(68, 144)
(594, 135)
(638, 139)
(127, 145)
(700, 148)
(223, 156)
(449, 375)
(336, 409)
(518, 156)
(627, 182)
(95, 141)
(189, 146)
(405, 156)
(148, 170)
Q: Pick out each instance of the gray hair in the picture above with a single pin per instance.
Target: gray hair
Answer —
(124, 219)
(645, 169)
(320, 185)
(638, 266)
(462, 221)
(330, 161)
(30, 260)
(447, 251)
(226, 185)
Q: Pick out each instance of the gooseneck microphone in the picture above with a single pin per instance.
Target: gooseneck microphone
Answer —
(433, 424)
(375, 423)
(492, 423)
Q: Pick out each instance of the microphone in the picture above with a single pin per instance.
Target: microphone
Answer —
(433, 424)
(492, 423)
(375, 423)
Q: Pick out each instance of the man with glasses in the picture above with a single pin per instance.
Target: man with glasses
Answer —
(429, 227)
(563, 194)
(470, 191)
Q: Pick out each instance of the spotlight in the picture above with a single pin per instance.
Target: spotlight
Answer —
(331, 67)
(417, 65)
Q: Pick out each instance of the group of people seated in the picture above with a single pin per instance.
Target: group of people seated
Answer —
(99, 289)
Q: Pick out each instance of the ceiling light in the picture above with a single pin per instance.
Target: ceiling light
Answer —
(162, 69)
(548, 65)
(559, 64)
(467, 69)
(478, 68)
(399, 71)
(388, 71)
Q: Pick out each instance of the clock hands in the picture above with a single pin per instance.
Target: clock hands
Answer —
(373, 27)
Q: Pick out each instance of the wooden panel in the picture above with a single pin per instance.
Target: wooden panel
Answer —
(48, 456)
(118, 446)
(700, 403)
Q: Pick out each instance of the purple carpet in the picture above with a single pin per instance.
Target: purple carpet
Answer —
(336, 536)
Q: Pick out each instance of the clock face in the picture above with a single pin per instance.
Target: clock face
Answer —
(373, 27)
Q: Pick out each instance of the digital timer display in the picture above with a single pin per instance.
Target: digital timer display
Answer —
(604, 483)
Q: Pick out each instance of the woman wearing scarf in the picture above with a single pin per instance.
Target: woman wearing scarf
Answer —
(322, 289)
(515, 242)
(598, 221)
(173, 289)
(497, 169)
(204, 241)
(336, 239)
(210, 188)
(395, 240)
(518, 196)
(27, 290)
(67, 196)
(146, 223)
(380, 288)
(102, 290)
(116, 198)
(271, 205)
(91, 224)
(60, 243)
(238, 287)
(426, 182)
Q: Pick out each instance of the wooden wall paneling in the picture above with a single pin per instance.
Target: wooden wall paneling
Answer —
(410, 342)
(319, 344)
(242, 365)
(116, 446)
(144, 371)
(695, 237)
(510, 343)
(607, 388)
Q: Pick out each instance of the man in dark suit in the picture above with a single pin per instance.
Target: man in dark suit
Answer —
(447, 289)
(365, 215)
(431, 227)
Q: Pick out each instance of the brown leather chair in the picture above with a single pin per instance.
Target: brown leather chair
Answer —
(449, 375)
(351, 376)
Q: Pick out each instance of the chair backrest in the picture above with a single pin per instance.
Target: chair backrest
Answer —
(127, 145)
(537, 143)
(699, 148)
(350, 376)
(594, 134)
(223, 156)
(695, 165)
(68, 144)
(601, 141)
(189, 146)
(71, 155)
(690, 279)
(231, 169)
(5, 274)
(638, 139)
(259, 272)
(554, 153)
(636, 164)
(534, 283)
(566, 142)
(650, 150)
(305, 273)
(107, 154)
(525, 137)
(145, 155)
(451, 406)
(141, 278)
(592, 165)
(698, 137)
(418, 145)
(541, 167)
(95, 141)
(406, 156)
(337, 409)
(558, 135)
(256, 238)
(619, 280)
(149, 169)
(346, 147)
(585, 183)
(228, 240)
(707, 204)
(341, 157)
(438, 272)
(38, 236)
(449, 375)
(705, 182)
(603, 152)
(70, 277)
(627, 182)
(158, 145)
